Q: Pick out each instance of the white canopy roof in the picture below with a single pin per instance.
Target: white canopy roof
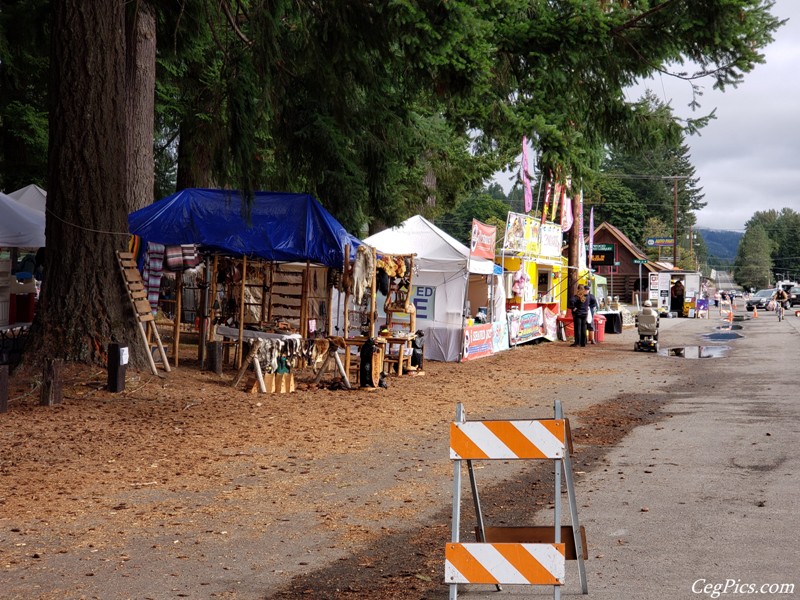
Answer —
(435, 250)
(20, 225)
(31, 196)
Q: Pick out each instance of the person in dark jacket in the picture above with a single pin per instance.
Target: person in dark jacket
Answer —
(579, 304)
(592, 312)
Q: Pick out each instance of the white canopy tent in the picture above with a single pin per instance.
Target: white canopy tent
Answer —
(31, 196)
(441, 264)
(20, 226)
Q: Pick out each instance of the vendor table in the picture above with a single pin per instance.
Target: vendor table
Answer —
(613, 321)
(398, 352)
(276, 341)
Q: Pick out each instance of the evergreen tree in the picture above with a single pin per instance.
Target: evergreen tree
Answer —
(753, 265)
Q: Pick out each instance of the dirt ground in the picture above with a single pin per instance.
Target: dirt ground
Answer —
(182, 486)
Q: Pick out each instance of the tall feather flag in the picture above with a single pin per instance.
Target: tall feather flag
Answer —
(591, 236)
(581, 238)
(557, 200)
(548, 191)
(526, 182)
(566, 213)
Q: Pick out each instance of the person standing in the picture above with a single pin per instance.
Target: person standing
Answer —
(677, 293)
(592, 302)
(579, 304)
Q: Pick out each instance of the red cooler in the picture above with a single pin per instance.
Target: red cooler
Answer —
(599, 328)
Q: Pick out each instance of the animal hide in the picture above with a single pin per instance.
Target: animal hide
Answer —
(362, 272)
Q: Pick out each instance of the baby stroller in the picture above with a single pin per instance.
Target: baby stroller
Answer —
(647, 326)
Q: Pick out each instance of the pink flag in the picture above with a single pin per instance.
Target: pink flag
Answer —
(591, 235)
(566, 213)
(526, 182)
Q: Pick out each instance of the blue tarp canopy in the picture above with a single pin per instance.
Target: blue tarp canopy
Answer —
(281, 227)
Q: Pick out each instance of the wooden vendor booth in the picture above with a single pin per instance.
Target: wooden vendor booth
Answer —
(271, 265)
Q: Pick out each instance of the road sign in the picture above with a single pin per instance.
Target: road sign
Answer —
(640, 261)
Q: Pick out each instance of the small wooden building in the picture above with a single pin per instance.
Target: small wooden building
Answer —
(624, 276)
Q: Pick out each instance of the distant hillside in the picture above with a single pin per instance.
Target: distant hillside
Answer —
(721, 245)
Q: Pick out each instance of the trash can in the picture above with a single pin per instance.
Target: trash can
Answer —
(599, 328)
(565, 327)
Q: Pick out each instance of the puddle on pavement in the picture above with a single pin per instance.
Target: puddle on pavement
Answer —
(695, 351)
(741, 318)
(728, 327)
(722, 336)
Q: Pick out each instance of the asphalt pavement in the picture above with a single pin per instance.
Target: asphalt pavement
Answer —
(703, 503)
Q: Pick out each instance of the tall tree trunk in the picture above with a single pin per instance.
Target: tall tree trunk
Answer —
(83, 304)
(574, 246)
(195, 154)
(141, 84)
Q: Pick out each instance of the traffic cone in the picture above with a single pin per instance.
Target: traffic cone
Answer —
(730, 316)
(755, 312)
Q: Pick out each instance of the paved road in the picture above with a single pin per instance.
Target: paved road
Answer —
(708, 496)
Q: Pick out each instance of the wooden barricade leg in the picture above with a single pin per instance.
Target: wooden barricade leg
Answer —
(256, 347)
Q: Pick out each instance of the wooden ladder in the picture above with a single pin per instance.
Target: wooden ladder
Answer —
(137, 294)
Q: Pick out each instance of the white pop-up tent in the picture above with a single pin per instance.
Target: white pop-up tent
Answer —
(440, 275)
(31, 196)
(20, 225)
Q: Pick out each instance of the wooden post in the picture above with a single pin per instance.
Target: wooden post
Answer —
(176, 325)
(52, 384)
(212, 313)
(271, 285)
(304, 301)
(239, 350)
(3, 388)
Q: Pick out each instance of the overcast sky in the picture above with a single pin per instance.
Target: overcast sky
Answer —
(748, 158)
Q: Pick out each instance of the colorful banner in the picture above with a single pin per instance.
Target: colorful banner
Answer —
(483, 240)
(526, 326)
(478, 341)
(548, 191)
(522, 234)
(566, 214)
(550, 241)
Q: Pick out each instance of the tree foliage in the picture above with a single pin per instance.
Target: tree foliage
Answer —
(753, 265)
(382, 109)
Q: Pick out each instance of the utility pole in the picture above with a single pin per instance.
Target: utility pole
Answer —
(675, 221)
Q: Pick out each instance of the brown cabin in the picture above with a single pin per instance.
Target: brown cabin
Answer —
(623, 278)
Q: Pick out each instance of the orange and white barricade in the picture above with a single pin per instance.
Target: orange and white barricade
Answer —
(513, 555)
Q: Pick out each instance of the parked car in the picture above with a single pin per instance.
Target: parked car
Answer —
(760, 299)
(794, 296)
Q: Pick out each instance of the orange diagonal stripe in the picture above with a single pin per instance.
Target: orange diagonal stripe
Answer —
(530, 568)
(466, 564)
(462, 445)
(555, 426)
(521, 446)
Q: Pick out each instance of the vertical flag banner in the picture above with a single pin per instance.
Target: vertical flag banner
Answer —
(483, 240)
(557, 199)
(581, 237)
(548, 190)
(526, 182)
(566, 213)
(591, 236)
